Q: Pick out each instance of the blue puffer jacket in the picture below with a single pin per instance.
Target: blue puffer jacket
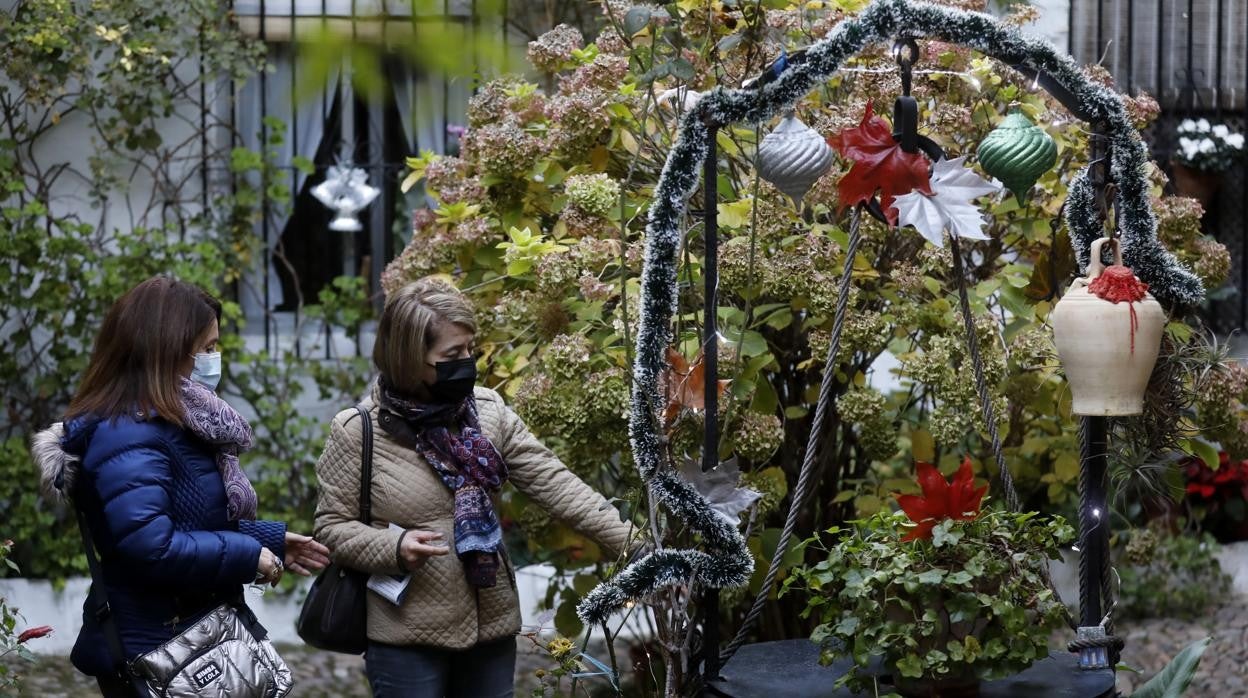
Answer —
(156, 507)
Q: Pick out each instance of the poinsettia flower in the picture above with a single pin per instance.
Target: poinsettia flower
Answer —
(34, 633)
(958, 500)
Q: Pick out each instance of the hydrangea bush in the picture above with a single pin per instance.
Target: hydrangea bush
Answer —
(561, 174)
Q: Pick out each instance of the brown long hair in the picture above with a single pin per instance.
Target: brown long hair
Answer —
(146, 337)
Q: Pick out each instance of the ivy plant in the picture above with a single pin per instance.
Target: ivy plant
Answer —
(970, 603)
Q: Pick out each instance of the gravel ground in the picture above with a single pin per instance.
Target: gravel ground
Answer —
(1150, 644)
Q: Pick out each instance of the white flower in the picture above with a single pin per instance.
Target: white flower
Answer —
(1236, 141)
(1202, 125)
(1186, 143)
(1187, 126)
(1207, 146)
(1221, 131)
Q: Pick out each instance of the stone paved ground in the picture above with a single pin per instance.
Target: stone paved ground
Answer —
(1150, 644)
(317, 674)
(1223, 669)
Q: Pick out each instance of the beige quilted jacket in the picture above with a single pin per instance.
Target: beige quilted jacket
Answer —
(440, 609)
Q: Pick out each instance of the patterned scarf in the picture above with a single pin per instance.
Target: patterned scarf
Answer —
(214, 421)
(450, 438)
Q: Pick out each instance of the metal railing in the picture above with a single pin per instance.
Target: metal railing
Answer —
(330, 125)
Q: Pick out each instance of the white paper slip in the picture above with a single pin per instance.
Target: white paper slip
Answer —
(390, 587)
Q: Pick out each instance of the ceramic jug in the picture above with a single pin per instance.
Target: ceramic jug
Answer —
(1107, 349)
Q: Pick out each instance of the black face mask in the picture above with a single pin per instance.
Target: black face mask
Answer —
(455, 380)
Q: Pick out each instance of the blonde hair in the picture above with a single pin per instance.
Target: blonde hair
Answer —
(407, 328)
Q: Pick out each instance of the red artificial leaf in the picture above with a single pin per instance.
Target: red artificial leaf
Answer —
(879, 164)
(959, 500)
(686, 385)
(34, 633)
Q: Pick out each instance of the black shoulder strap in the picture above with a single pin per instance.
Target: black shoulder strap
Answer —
(366, 466)
(102, 611)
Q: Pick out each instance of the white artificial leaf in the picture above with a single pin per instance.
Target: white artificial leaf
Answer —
(949, 206)
(954, 178)
(922, 212)
(964, 219)
(719, 486)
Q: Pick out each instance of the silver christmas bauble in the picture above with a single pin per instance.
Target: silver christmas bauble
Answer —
(793, 157)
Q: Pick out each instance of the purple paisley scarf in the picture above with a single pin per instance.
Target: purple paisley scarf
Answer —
(214, 421)
(449, 437)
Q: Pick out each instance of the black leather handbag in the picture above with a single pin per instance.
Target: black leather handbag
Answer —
(334, 615)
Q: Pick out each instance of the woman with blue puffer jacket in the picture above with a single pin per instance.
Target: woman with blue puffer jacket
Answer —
(149, 454)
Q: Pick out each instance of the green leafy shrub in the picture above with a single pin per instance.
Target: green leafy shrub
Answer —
(972, 602)
(1170, 576)
(115, 74)
(522, 220)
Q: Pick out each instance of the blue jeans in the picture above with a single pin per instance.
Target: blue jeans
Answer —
(486, 670)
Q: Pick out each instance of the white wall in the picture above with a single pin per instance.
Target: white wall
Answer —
(40, 604)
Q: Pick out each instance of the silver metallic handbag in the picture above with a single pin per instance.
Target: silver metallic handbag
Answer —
(225, 653)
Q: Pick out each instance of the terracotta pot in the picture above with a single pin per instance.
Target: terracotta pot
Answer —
(1197, 184)
(1107, 349)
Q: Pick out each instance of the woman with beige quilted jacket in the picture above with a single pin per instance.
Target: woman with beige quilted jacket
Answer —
(442, 449)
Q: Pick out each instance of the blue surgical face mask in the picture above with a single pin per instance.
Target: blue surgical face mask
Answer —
(207, 371)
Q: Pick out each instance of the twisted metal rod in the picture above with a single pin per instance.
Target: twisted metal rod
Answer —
(981, 383)
(805, 476)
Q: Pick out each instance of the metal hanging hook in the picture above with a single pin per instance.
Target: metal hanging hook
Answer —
(906, 53)
(906, 109)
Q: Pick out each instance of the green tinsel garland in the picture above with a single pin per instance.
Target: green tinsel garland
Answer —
(726, 561)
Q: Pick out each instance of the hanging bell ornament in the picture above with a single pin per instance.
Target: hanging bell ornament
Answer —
(1107, 329)
(793, 157)
(1017, 152)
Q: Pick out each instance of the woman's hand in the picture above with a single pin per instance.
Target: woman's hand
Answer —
(415, 548)
(304, 555)
(268, 568)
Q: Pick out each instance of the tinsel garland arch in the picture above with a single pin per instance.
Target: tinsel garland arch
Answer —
(726, 562)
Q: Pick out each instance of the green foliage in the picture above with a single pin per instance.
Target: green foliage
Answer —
(114, 74)
(1170, 576)
(559, 174)
(9, 616)
(1177, 675)
(972, 603)
(429, 39)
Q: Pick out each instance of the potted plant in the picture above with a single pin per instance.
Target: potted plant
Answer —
(1205, 151)
(947, 594)
(1219, 497)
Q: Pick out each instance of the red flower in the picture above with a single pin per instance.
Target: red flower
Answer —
(34, 633)
(941, 500)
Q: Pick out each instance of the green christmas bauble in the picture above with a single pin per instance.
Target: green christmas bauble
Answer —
(1017, 152)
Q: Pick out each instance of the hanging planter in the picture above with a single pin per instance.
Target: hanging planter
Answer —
(1108, 332)
(945, 595)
